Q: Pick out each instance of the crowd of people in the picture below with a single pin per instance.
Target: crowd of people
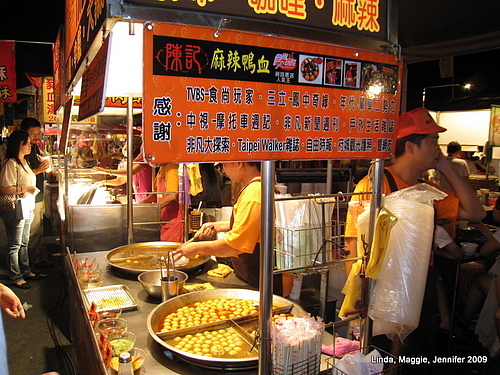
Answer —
(21, 186)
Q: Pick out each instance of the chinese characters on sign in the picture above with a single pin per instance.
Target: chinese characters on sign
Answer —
(49, 115)
(8, 72)
(209, 100)
(362, 17)
(92, 97)
(84, 19)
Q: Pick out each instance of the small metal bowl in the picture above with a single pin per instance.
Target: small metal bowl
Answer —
(151, 281)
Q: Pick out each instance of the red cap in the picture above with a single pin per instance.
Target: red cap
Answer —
(417, 121)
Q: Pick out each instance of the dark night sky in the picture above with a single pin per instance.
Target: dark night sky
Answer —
(32, 21)
(479, 69)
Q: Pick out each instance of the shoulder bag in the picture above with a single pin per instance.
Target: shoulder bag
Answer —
(11, 204)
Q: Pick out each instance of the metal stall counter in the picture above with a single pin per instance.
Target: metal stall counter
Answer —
(157, 360)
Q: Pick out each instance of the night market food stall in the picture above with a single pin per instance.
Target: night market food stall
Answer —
(221, 83)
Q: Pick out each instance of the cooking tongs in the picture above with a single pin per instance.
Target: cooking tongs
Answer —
(170, 265)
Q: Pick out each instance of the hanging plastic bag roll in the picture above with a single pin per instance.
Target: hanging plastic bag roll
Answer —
(397, 297)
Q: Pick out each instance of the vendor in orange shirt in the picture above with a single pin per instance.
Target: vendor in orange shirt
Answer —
(417, 151)
(242, 242)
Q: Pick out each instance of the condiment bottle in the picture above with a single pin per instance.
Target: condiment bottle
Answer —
(125, 364)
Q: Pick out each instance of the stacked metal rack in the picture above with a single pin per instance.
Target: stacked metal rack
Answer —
(316, 245)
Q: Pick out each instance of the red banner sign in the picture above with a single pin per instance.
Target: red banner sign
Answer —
(84, 19)
(8, 72)
(92, 97)
(247, 96)
(63, 139)
(49, 114)
(57, 58)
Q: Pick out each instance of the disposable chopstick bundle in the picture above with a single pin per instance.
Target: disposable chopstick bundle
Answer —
(296, 342)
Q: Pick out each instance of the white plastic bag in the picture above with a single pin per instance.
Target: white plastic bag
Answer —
(397, 297)
(359, 364)
(299, 232)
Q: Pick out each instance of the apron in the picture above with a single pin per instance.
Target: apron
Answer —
(247, 265)
(174, 231)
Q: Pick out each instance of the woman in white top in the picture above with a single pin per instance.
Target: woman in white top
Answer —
(16, 177)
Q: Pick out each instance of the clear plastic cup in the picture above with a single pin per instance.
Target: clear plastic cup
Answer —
(115, 325)
(112, 312)
(121, 342)
(90, 278)
(138, 357)
(469, 248)
(47, 157)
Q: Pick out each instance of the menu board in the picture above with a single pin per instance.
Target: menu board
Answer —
(248, 96)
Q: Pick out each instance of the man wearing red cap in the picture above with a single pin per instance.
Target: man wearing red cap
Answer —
(417, 151)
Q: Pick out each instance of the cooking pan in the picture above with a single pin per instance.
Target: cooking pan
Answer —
(143, 256)
(158, 314)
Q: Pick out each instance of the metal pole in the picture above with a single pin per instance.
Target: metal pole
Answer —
(376, 202)
(185, 201)
(423, 97)
(130, 162)
(266, 266)
(323, 286)
(329, 177)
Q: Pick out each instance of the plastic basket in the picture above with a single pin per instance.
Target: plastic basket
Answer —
(301, 247)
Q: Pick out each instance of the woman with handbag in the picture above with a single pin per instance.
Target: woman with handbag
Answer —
(17, 202)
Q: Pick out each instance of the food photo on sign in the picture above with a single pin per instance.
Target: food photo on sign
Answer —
(333, 72)
(352, 77)
(311, 69)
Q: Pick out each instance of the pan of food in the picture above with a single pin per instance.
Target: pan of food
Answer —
(215, 328)
(144, 256)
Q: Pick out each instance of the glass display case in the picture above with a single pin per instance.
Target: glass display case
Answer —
(94, 215)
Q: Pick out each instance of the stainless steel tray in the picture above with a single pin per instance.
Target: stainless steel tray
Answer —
(143, 256)
(109, 297)
(227, 364)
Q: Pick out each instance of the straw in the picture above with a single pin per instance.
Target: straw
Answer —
(199, 206)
